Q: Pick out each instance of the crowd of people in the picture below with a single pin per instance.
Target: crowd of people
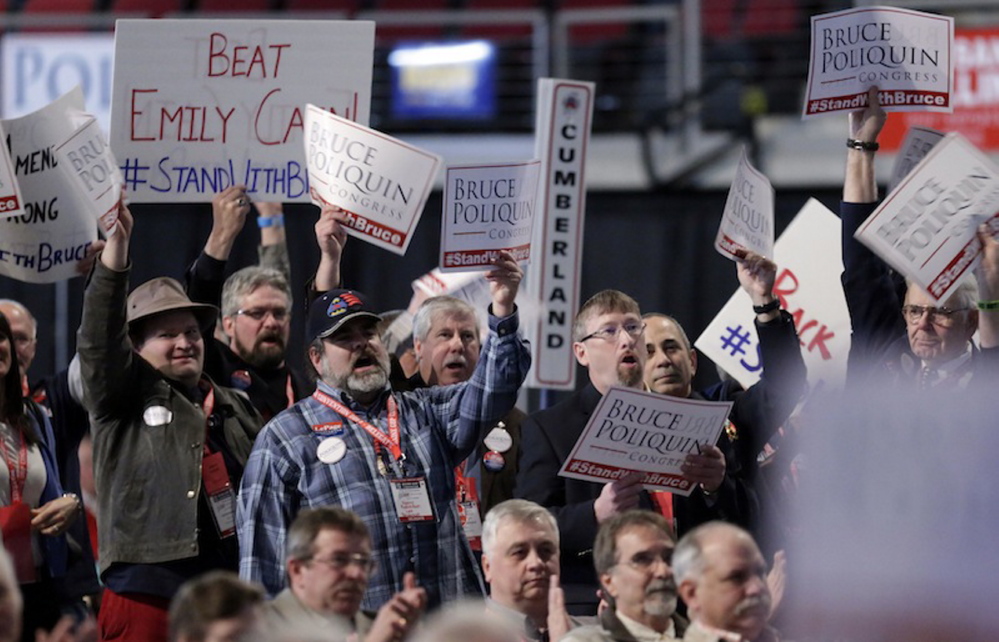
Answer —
(379, 498)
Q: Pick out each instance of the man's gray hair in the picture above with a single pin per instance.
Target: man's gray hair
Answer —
(436, 307)
(521, 511)
(246, 281)
(311, 521)
(688, 556)
(605, 544)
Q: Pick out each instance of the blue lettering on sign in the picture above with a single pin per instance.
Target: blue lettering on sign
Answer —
(289, 180)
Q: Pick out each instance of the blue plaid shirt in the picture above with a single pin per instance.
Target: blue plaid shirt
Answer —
(439, 427)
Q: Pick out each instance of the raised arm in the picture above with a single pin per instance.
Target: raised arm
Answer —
(331, 236)
(987, 274)
(106, 356)
(871, 291)
(206, 275)
(273, 250)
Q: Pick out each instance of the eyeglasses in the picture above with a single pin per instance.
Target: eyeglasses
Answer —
(342, 561)
(609, 333)
(259, 314)
(645, 560)
(943, 317)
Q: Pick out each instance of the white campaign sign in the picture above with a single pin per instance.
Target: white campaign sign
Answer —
(748, 220)
(926, 228)
(917, 144)
(562, 133)
(906, 54)
(640, 431)
(44, 244)
(11, 201)
(487, 208)
(809, 261)
(200, 105)
(86, 158)
(382, 182)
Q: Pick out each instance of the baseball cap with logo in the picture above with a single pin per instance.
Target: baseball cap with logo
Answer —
(330, 311)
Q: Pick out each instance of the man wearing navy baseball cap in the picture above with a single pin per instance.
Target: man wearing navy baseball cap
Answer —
(389, 457)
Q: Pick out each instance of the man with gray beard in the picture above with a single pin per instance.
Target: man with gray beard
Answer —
(387, 456)
(632, 555)
(723, 581)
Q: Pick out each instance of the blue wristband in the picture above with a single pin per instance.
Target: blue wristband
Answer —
(270, 221)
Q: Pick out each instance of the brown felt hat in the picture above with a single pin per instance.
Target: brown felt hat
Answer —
(164, 294)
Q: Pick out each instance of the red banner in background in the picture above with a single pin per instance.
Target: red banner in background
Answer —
(975, 95)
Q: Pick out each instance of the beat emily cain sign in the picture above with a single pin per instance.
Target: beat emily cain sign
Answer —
(200, 105)
(906, 54)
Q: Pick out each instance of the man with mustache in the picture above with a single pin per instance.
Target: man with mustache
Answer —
(255, 302)
(609, 342)
(520, 559)
(632, 556)
(329, 562)
(723, 581)
(387, 456)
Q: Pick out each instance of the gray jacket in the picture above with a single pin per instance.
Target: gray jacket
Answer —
(611, 629)
(147, 436)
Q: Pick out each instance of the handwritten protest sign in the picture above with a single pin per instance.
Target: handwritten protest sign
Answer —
(917, 144)
(906, 54)
(382, 182)
(926, 228)
(11, 202)
(748, 220)
(487, 208)
(640, 431)
(87, 159)
(809, 259)
(43, 244)
(200, 105)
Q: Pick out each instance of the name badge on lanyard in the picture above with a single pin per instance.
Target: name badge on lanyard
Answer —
(412, 499)
(215, 476)
(411, 494)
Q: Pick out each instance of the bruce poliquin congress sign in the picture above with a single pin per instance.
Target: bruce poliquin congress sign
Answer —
(487, 208)
(649, 433)
(926, 228)
(906, 54)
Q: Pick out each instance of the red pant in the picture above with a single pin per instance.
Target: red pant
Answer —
(133, 617)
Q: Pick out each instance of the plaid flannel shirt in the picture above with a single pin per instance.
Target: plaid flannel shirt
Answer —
(439, 427)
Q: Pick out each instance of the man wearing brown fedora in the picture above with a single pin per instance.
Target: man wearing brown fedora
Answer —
(169, 444)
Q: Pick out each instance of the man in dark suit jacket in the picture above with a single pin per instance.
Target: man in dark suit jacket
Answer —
(608, 333)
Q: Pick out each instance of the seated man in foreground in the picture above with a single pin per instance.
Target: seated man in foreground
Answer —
(329, 562)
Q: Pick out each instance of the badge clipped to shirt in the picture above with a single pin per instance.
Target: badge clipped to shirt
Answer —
(471, 522)
(221, 496)
(499, 439)
(412, 499)
(331, 450)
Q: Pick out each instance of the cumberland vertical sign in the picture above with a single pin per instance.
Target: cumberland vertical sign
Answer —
(565, 114)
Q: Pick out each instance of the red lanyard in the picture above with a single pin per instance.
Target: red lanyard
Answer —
(390, 441)
(19, 473)
(208, 406)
